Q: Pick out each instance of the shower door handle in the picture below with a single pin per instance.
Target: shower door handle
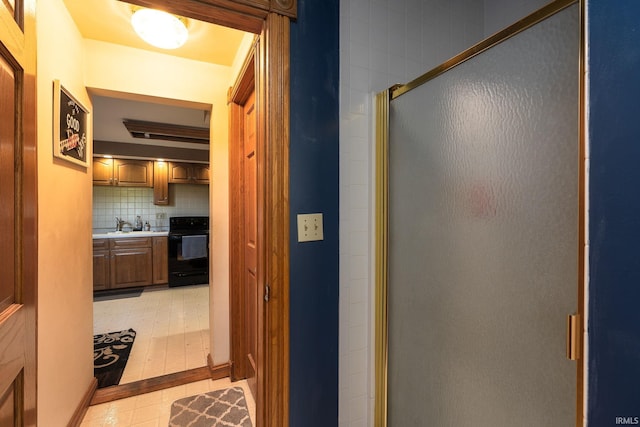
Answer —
(573, 336)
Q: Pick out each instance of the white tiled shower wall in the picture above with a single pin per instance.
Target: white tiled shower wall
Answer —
(128, 202)
(384, 42)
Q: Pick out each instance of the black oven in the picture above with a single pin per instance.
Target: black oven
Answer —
(188, 250)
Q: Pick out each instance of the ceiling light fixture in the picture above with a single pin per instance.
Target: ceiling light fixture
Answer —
(160, 29)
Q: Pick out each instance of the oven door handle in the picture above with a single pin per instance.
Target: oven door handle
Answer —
(191, 273)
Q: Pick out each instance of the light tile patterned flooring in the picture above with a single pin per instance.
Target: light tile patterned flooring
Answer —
(172, 334)
(153, 409)
(171, 324)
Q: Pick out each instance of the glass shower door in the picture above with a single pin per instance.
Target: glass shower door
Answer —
(483, 236)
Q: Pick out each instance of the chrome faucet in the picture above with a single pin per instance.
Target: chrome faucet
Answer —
(120, 223)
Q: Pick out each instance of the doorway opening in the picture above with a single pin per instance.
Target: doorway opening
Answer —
(171, 322)
(272, 23)
(156, 339)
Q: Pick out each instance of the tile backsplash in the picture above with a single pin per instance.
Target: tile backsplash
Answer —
(129, 202)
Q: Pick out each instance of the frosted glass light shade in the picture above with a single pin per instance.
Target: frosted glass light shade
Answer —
(159, 29)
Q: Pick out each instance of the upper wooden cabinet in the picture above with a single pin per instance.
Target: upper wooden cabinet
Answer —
(102, 171)
(133, 173)
(188, 173)
(160, 183)
(122, 172)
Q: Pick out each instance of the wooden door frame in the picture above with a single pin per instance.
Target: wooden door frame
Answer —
(271, 20)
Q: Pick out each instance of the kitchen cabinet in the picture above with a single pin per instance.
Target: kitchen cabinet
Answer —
(100, 264)
(160, 183)
(131, 262)
(188, 173)
(160, 260)
(122, 172)
(102, 171)
(123, 262)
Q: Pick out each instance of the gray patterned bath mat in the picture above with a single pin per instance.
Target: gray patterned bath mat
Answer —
(213, 409)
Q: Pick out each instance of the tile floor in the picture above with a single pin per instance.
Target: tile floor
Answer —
(172, 334)
(153, 409)
(171, 324)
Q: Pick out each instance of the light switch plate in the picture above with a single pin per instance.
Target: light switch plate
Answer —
(310, 227)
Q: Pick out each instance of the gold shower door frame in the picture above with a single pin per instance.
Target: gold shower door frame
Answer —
(575, 344)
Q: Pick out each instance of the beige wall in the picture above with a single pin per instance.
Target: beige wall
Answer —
(219, 237)
(133, 71)
(65, 312)
(65, 365)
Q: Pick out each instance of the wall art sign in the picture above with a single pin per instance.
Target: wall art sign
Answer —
(70, 127)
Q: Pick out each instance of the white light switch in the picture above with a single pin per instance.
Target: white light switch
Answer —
(310, 227)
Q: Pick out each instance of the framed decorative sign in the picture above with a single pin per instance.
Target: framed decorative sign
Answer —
(70, 121)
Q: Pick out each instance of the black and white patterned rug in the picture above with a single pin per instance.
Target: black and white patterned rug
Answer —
(110, 354)
(218, 408)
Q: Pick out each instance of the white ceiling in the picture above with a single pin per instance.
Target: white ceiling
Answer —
(109, 21)
(111, 111)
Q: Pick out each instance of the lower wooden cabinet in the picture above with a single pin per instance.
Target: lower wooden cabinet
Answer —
(160, 260)
(129, 262)
(101, 264)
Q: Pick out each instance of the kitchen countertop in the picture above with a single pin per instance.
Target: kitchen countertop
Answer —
(121, 234)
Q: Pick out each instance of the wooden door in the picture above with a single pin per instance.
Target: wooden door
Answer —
(265, 75)
(250, 239)
(18, 246)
